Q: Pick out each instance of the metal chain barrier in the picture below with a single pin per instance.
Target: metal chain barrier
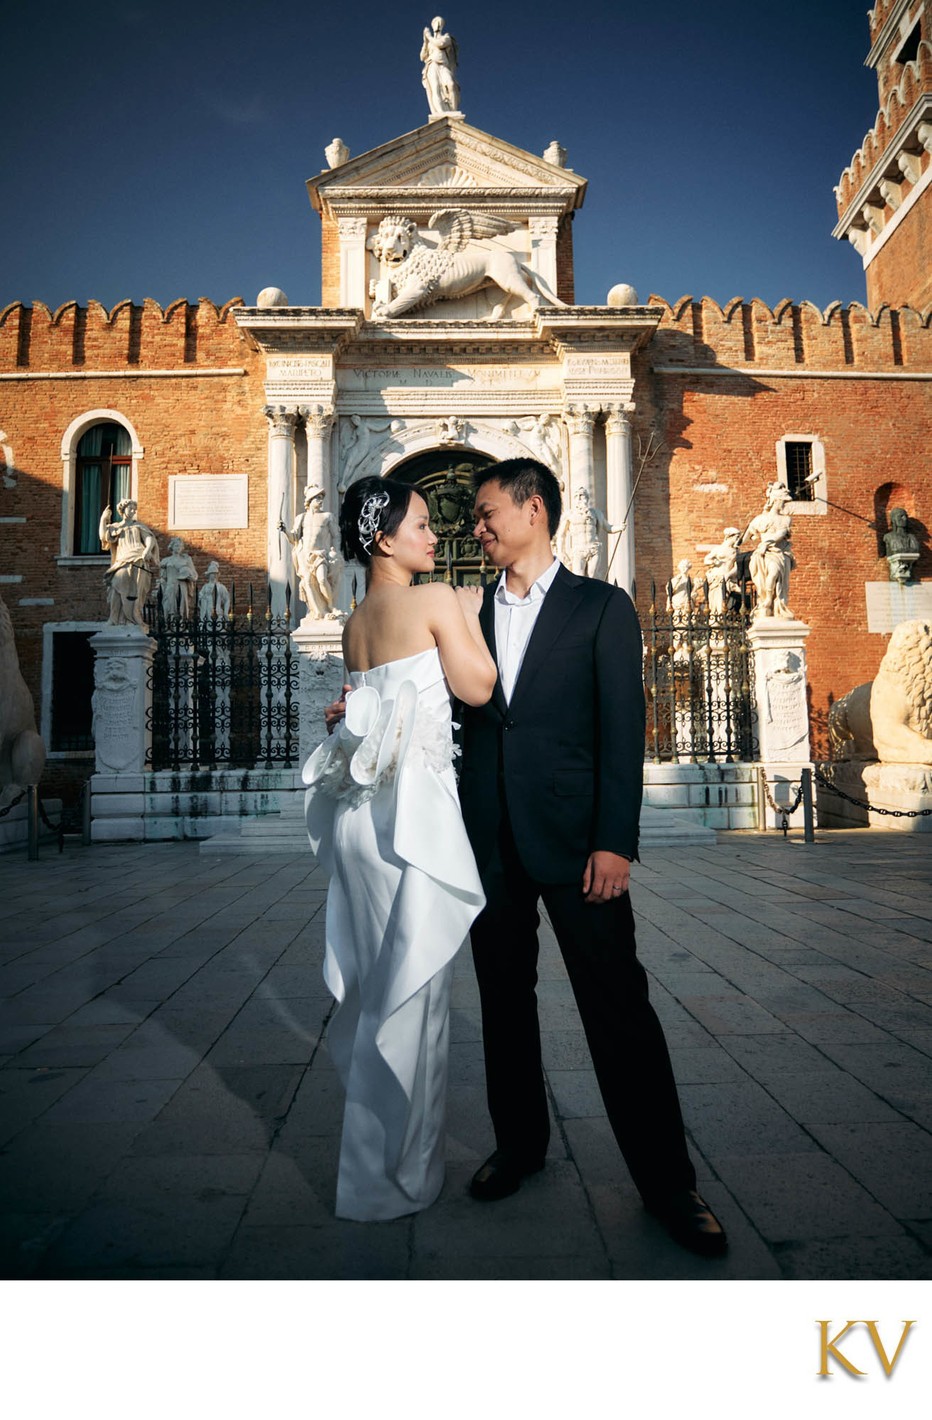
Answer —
(18, 800)
(784, 810)
(863, 803)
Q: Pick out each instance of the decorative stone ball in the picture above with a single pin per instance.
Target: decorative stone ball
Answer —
(271, 296)
(622, 295)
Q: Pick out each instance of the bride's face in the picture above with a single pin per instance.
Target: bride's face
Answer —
(412, 544)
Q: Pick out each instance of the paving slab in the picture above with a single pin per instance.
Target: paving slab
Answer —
(168, 1107)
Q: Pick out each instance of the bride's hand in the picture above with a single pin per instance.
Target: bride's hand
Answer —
(335, 711)
(470, 600)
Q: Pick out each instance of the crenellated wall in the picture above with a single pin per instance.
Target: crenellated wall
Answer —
(76, 337)
(791, 336)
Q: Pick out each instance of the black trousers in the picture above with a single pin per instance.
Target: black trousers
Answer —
(626, 1041)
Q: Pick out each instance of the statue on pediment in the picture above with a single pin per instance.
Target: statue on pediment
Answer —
(415, 274)
(439, 58)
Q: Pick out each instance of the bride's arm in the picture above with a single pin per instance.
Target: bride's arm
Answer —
(453, 621)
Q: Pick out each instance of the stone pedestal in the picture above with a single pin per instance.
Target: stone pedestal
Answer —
(779, 648)
(320, 646)
(122, 702)
(903, 788)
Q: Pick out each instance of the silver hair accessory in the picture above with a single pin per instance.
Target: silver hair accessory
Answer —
(369, 518)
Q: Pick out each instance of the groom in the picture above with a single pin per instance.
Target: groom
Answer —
(551, 793)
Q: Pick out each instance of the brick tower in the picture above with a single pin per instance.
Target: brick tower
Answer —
(884, 197)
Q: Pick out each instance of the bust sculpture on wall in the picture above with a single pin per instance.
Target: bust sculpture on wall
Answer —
(415, 274)
(900, 546)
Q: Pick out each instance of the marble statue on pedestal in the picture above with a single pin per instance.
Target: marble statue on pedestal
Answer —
(439, 58)
(579, 541)
(22, 750)
(680, 589)
(772, 560)
(721, 563)
(901, 546)
(414, 274)
(319, 566)
(134, 562)
(213, 599)
(177, 578)
(890, 718)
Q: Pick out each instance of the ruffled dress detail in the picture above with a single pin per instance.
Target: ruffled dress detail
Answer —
(384, 821)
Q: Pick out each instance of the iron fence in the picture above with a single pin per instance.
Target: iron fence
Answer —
(699, 682)
(224, 689)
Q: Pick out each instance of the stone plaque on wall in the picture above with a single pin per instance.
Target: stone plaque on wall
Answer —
(889, 603)
(208, 501)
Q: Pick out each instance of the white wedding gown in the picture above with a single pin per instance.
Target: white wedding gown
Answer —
(384, 820)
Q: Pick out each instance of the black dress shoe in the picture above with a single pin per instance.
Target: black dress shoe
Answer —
(500, 1176)
(690, 1221)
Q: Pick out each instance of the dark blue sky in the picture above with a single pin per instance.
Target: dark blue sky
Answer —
(161, 149)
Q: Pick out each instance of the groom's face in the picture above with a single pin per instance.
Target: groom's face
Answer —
(505, 529)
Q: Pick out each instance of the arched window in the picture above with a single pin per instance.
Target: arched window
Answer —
(103, 469)
(100, 455)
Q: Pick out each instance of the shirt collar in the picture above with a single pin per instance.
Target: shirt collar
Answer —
(536, 592)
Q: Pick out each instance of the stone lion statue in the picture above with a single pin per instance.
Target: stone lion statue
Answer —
(415, 274)
(890, 718)
(22, 752)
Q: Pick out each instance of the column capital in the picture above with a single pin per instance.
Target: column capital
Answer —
(352, 229)
(579, 418)
(282, 420)
(318, 419)
(540, 228)
(618, 418)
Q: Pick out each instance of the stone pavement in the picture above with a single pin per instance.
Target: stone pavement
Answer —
(168, 1109)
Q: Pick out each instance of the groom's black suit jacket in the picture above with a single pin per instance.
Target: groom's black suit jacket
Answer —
(565, 757)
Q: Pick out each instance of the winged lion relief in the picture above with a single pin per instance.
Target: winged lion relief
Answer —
(415, 274)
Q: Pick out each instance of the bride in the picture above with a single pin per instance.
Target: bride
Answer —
(384, 821)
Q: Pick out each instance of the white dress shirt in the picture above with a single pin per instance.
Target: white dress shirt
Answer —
(514, 622)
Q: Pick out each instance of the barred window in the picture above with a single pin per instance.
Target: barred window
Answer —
(799, 471)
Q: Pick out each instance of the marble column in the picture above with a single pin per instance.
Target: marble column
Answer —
(318, 424)
(282, 423)
(619, 483)
(580, 420)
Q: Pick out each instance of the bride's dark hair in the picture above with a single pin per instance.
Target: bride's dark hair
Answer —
(380, 504)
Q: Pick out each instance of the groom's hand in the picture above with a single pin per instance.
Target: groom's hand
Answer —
(606, 876)
(336, 710)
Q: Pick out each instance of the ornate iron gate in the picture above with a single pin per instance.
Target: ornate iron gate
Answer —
(224, 690)
(699, 682)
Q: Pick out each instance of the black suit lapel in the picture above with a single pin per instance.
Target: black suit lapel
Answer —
(559, 604)
(487, 622)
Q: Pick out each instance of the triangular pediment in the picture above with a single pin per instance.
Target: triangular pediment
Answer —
(447, 153)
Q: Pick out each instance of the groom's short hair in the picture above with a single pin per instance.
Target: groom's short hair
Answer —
(521, 479)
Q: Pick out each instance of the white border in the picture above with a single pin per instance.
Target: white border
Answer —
(817, 504)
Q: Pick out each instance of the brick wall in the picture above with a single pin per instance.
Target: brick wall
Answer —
(718, 454)
(187, 423)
